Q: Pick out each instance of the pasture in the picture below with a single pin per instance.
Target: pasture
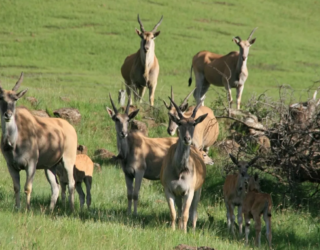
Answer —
(71, 53)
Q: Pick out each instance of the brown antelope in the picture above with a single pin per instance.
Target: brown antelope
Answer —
(82, 172)
(140, 156)
(234, 191)
(210, 68)
(205, 134)
(255, 204)
(141, 69)
(183, 171)
(29, 142)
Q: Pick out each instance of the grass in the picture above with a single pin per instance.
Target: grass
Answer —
(71, 53)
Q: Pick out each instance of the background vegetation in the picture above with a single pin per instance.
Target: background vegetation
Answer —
(71, 53)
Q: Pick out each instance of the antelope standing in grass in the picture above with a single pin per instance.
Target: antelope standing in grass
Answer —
(229, 71)
(140, 156)
(82, 172)
(183, 171)
(29, 143)
(141, 69)
(255, 204)
(205, 134)
(234, 191)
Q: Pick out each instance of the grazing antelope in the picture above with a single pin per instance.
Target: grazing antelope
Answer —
(255, 204)
(234, 191)
(210, 68)
(183, 171)
(141, 69)
(205, 134)
(139, 156)
(82, 172)
(29, 142)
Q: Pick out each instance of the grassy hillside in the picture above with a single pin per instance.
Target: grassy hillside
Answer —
(71, 53)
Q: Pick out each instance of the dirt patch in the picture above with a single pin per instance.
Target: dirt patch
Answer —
(225, 3)
(268, 67)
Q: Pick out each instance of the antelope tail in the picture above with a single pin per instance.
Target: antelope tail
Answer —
(190, 79)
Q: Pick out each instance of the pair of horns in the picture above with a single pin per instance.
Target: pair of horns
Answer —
(179, 110)
(155, 27)
(114, 106)
(249, 37)
(184, 101)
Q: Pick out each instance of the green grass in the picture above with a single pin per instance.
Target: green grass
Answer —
(75, 49)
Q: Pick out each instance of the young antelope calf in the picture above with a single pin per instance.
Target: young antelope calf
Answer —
(183, 171)
(82, 172)
(140, 156)
(205, 134)
(234, 191)
(255, 204)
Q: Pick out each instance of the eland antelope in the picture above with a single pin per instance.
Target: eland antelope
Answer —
(141, 69)
(254, 205)
(229, 71)
(29, 142)
(183, 171)
(234, 191)
(140, 157)
(82, 172)
(205, 134)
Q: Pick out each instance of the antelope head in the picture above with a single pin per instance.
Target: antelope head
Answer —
(8, 99)
(254, 184)
(243, 166)
(186, 124)
(172, 127)
(121, 120)
(147, 38)
(245, 45)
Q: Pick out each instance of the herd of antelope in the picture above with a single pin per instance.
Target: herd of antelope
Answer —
(29, 142)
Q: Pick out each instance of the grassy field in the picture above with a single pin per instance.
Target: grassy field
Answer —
(71, 53)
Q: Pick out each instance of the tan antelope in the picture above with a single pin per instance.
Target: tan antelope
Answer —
(254, 205)
(229, 71)
(140, 157)
(83, 171)
(234, 191)
(29, 142)
(183, 171)
(141, 69)
(206, 133)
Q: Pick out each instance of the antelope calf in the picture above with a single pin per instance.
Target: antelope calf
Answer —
(141, 69)
(183, 171)
(234, 191)
(139, 156)
(30, 142)
(229, 71)
(82, 172)
(205, 134)
(255, 204)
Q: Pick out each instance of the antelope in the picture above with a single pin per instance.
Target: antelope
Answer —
(210, 68)
(183, 171)
(29, 142)
(205, 134)
(255, 204)
(82, 172)
(234, 191)
(141, 69)
(139, 156)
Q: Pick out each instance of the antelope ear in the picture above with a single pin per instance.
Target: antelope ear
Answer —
(235, 40)
(156, 34)
(138, 32)
(22, 93)
(174, 118)
(235, 161)
(110, 112)
(200, 119)
(133, 114)
(253, 161)
(252, 41)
